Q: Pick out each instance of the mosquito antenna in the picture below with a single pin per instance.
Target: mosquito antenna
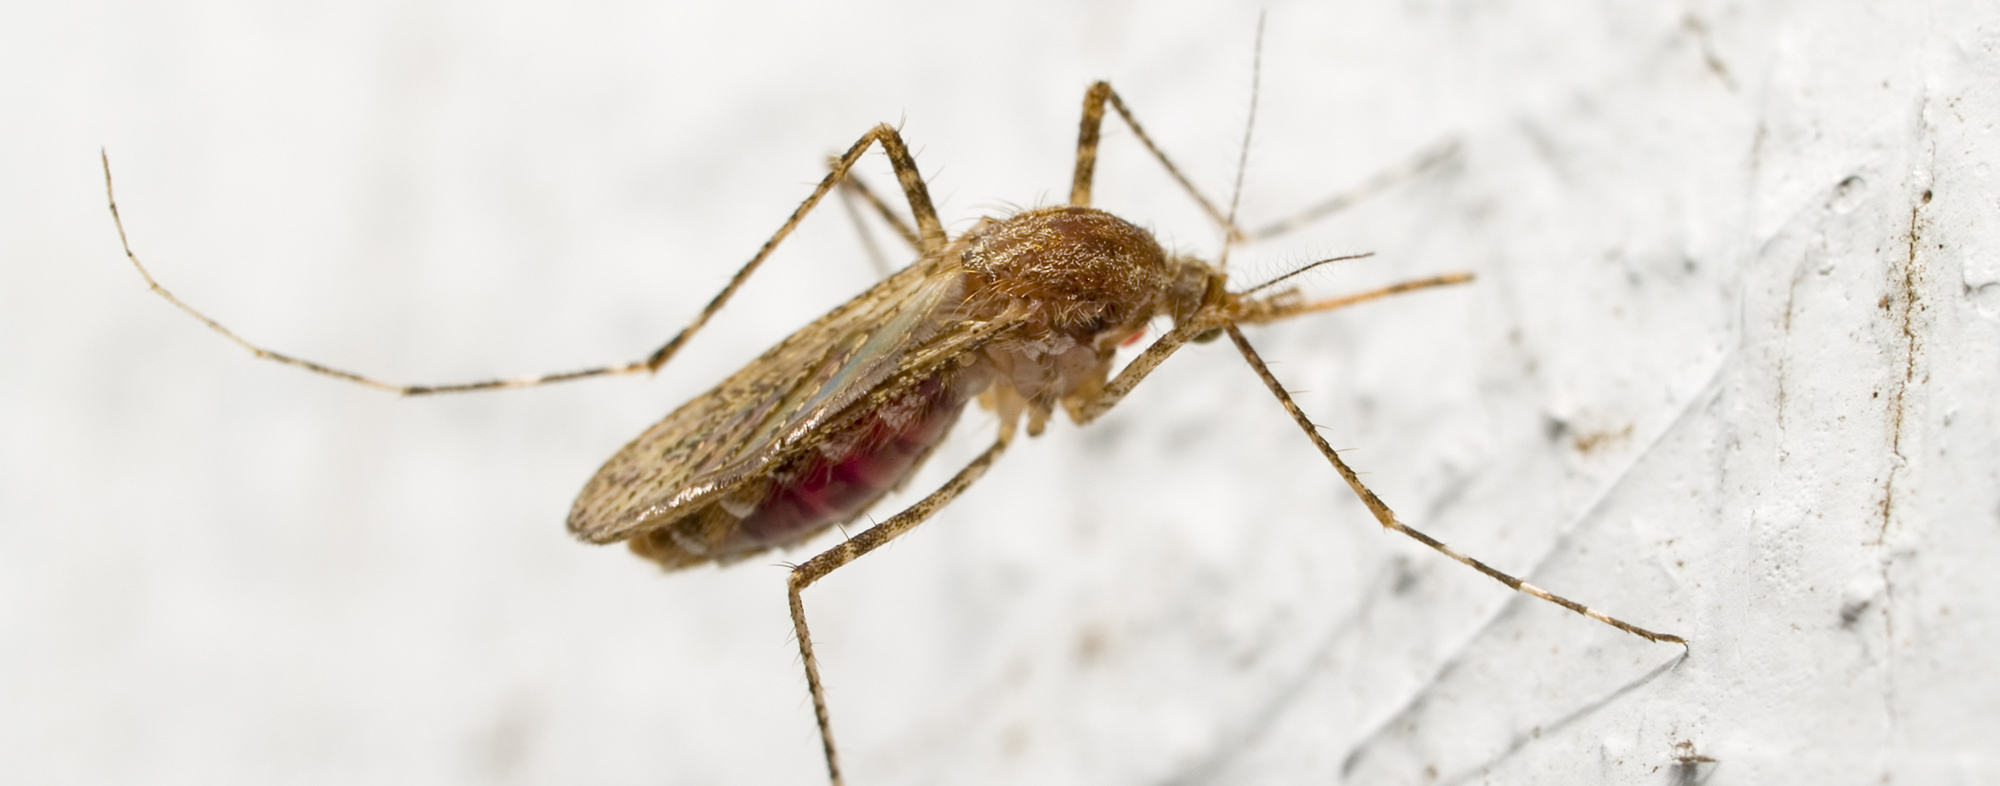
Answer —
(1243, 156)
(1281, 279)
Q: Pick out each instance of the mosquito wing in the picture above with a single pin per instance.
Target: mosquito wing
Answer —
(778, 405)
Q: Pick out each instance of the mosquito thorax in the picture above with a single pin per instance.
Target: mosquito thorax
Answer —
(1080, 271)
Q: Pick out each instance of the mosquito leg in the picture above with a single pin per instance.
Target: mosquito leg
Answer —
(1094, 101)
(1387, 517)
(854, 187)
(111, 199)
(1086, 143)
(1084, 410)
(931, 233)
(1416, 165)
(931, 237)
(876, 261)
(850, 550)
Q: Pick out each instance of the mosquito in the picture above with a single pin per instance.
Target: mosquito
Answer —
(1022, 313)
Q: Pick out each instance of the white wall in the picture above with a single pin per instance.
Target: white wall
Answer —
(1725, 373)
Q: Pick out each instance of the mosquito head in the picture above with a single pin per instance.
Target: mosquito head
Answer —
(1195, 284)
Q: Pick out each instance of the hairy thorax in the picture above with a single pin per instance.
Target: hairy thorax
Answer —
(1087, 279)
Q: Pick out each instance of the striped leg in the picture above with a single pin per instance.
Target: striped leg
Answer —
(853, 188)
(850, 550)
(930, 237)
(1387, 517)
(1094, 101)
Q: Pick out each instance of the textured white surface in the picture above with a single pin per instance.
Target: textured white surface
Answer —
(1726, 373)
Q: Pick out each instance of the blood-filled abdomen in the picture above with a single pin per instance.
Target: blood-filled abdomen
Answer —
(830, 483)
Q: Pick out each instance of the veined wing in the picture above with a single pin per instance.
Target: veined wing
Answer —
(774, 407)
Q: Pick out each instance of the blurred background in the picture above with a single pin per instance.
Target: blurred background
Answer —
(1725, 373)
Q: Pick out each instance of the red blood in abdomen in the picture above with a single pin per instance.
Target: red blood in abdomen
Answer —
(875, 454)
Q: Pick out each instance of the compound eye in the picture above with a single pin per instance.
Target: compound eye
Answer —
(1208, 335)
